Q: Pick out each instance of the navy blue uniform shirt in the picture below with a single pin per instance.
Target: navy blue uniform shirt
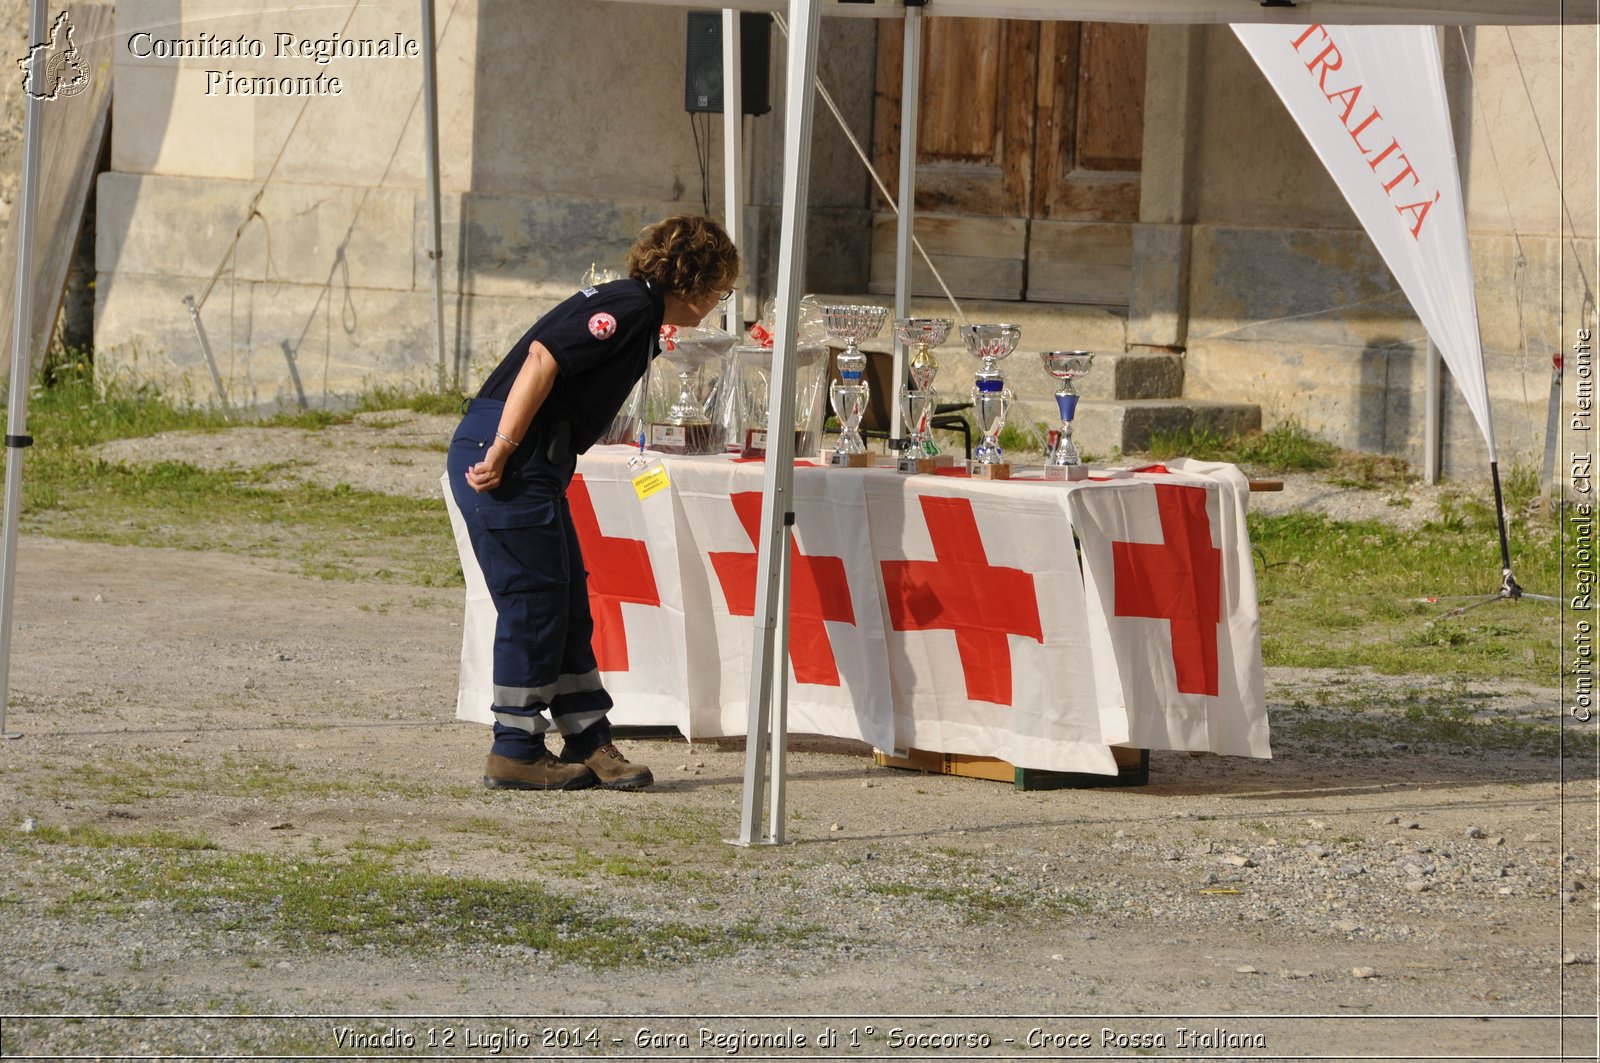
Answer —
(602, 340)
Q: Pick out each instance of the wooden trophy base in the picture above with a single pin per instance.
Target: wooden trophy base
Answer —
(1069, 473)
(850, 461)
(684, 438)
(980, 471)
(755, 443)
(915, 465)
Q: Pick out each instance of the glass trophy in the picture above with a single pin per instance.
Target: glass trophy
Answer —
(918, 401)
(848, 394)
(1063, 462)
(990, 396)
(755, 397)
(686, 428)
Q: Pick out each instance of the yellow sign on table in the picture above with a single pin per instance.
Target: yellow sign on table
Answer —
(652, 480)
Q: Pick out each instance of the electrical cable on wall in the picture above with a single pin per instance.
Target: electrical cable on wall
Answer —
(340, 263)
(702, 155)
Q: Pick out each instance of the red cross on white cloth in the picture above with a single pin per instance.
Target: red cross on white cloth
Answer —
(818, 592)
(1172, 606)
(961, 591)
(838, 663)
(619, 571)
(1178, 580)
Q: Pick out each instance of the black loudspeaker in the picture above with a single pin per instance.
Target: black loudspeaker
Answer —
(702, 82)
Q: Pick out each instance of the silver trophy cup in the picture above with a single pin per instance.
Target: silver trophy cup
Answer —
(990, 396)
(1065, 366)
(917, 401)
(848, 394)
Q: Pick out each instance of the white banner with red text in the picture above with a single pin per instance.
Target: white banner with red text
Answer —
(1371, 101)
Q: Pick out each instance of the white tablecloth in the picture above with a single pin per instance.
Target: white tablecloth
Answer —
(930, 612)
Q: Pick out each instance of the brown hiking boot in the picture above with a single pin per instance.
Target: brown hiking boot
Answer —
(544, 772)
(612, 769)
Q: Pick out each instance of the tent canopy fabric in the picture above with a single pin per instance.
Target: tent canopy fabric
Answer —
(804, 19)
(1328, 12)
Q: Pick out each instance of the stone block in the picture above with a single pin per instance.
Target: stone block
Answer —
(1129, 426)
(162, 121)
(302, 234)
(1158, 304)
(525, 246)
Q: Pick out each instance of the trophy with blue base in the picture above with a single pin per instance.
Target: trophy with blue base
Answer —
(1063, 462)
(848, 394)
(990, 396)
(917, 402)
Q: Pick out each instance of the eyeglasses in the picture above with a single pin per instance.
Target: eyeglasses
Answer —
(725, 296)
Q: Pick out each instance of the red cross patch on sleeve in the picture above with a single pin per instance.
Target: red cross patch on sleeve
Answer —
(602, 326)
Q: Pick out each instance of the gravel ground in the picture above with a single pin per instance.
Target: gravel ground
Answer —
(1373, 891)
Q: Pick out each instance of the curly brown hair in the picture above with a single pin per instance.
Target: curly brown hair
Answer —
(686, 254)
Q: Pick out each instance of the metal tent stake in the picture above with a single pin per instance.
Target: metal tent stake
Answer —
(205, 347)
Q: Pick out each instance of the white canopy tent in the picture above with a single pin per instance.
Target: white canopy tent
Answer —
(766, 723)
(804, 17)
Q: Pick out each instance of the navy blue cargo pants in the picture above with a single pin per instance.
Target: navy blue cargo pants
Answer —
(525, 542)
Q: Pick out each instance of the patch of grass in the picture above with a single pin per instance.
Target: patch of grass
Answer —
(341, 532)
(1201, 443)
(1353, 594)
(1287, 447)
(1370, 471)
(92, 837)
(388, 847)
(320, 903)
(682, 830)
(656, 869)
(392, 398)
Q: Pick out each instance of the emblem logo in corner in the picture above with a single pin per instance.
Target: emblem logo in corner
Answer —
(55, 70)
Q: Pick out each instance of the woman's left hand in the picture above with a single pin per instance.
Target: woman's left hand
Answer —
(485, 476)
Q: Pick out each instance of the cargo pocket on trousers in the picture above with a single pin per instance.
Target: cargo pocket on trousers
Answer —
(523, 547)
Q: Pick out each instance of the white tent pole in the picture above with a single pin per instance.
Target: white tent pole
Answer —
(17, 438)
(733, 152)
(779, 730)
(777, 493)
(1431, 427)
(430, 132)
(910, 89)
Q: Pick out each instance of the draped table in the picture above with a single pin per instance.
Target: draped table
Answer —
(1037, 621)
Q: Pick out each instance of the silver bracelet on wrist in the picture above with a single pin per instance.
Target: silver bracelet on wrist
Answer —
(508, 439)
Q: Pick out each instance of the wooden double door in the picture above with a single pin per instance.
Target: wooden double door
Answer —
(1030, 139)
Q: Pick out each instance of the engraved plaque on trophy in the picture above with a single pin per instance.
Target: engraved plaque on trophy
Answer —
(848, 394)
(1062, 461)
(990, 396)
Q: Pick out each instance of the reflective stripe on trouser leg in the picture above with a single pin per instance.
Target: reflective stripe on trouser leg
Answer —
(582, 701)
